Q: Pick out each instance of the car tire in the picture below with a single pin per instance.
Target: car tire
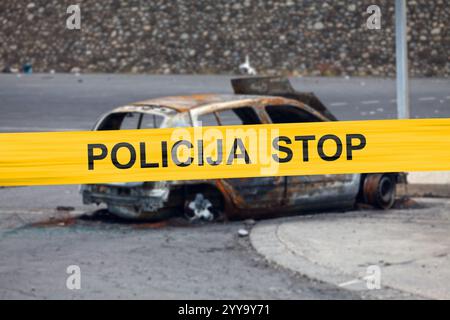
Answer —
(380, 190)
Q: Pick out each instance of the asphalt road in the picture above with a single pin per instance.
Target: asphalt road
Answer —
(178, 261)
(124, 261)
(45, 102)
(146, 261)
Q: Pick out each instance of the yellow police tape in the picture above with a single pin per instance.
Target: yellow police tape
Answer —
(224, 152)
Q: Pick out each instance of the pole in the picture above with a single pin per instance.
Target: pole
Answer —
(402, 60)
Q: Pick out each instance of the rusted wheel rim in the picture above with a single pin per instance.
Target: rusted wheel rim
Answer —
(379, 190)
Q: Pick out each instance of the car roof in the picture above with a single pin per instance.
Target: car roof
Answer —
(172, 104)
(185, 103)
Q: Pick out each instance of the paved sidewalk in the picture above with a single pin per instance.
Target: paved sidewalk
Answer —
(432, 177)
(429, 184)
(411, 247)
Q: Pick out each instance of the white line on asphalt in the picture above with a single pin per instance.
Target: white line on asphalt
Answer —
(447, 97)
(393, 100)
(370, 102)
(338, 104)
(38, 129)
(46, 211)
(427, 99)
(348, 283)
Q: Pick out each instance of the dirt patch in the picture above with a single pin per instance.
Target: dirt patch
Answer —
(400, 203)
(105, 217)
(55, 222)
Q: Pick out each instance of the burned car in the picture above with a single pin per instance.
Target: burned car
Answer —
(267, 100)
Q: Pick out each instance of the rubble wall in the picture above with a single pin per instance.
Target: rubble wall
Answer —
(292, 37)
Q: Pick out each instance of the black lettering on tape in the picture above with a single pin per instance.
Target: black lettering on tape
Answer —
(116, 149)
(144, 163)
(175, 155)
(305, 146)
(219, 159)
(92, 157)
(286, 150)
(351, 147)
(164, 153)
(338, 152)
(243, 152)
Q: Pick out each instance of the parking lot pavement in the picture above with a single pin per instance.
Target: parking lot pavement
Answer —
(24, 205)
(118, 260)
(145, 261)
(41, 197)
(60, 102)
(409, 249)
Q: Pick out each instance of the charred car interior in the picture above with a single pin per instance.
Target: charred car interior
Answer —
(256, 101)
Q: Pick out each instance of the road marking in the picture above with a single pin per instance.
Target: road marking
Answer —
(371, 102)
(427, 99)
(348, 283)
(45, 211)
(38, 129)
(447, 97)
(338, 104)
(393, 100)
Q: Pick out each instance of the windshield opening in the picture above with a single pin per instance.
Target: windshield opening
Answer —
(130, 121)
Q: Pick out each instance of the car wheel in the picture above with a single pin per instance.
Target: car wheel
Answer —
(199, 208)
(380, 190)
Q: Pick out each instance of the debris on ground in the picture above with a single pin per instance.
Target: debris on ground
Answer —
(246, 68)
(53, 222)
(65, 208)
(243, 233)
(9, 69)
(152, 225)
(407, 203)
(27, 68)
(402, 202)
(103, 217)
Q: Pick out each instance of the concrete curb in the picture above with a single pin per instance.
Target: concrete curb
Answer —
(425, 190)
(432, 177)
(409, 245)
(427, 184)
(264, 238)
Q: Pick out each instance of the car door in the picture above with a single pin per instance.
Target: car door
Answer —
(313, 192)
(263, 193)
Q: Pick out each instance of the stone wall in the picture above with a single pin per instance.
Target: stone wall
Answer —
(308, 37)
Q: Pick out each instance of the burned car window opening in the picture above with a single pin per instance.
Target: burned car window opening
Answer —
(208, 119)
(130, 120)
(238, 116)
(150, 121)
(289, 114)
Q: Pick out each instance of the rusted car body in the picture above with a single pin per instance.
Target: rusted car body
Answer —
(258, 101)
